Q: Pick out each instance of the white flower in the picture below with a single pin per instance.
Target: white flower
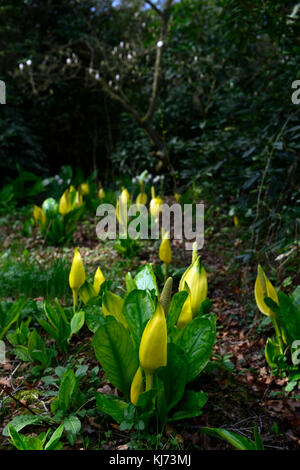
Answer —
(129, 56)
(110, 83)
(28, 62)
(21, 66)
(117, 77)
(160, 44)
(143, 25)
(90, 70)
(97, 76)
(121, 44)
(156, 179)
(195, 58)
(69, 61)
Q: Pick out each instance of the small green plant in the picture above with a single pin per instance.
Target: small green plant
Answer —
(238, 441)
(9, 314)
(42, 442)
(59, 325)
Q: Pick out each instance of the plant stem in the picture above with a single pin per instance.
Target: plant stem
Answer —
(75, 298)
(149, 381)
(166, 271)
(278, 334)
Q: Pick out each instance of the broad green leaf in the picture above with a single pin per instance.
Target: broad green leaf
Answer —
(19, 422)
(93, 317)
(77, 322)
(52, 443)
(197, 339)
(145, 279)
(116, 353)
(112, 304)
(72, 426)
(175, 308)
(65, 392)
(87, 292)
(130, 283)
(17, 439)
(236, 440)
(112, 406)
(191, 405)
(174, 375)
(138, 308)
(272, 350)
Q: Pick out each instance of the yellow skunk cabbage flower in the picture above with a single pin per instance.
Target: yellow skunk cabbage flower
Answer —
(137, 386)
(186, 314)
(78, 200)
(101, 193)
(72, 189)
(76, 276)
(85, 189)
(153, 346)
(65, 203)
(141, 198)
(263, 288)
(39, 216)
(196, 279)
(155, 204)
(165, 250)
(99, 278)
(177, 197)
(125, 196)
(122, 213)
(236, 221)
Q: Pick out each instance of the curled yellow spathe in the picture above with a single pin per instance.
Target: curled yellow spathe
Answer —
(196, 279)
(39, 216)
(137, 386)
(101, 193)
(85, 189)
(263, 287)
(165, 250)
(141, 198)
(77, 272)
(153, 346)
(186, 314)
(99, 278)
(65, 203)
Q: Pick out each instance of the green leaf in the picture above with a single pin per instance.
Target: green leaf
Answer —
(87, 292)
(191, 405)
(272, 351)
(197, 339)
(145, 279)
(116, 353)
(72, 426)
(17, 439)
(53, 441)
(174, 375)
(175, 308)
(138, 308)
(11, 316)
(130, 283)
(65, 392)
(112, 406)
(93, 317)
(19, 422)
(77, 322)
(236, 440)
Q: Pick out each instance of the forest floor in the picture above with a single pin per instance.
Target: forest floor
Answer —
(242, 392)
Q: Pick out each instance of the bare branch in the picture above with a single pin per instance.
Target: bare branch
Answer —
(154, 7)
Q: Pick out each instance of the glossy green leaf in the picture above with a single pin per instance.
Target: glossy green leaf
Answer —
(191, 405)
(197, 339)
(116, 353)
(138, 308)
(112, 406)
